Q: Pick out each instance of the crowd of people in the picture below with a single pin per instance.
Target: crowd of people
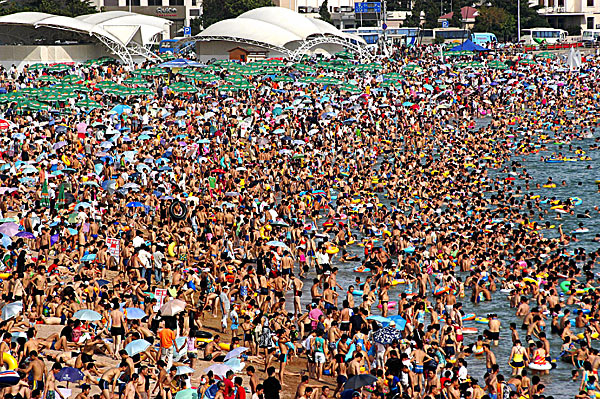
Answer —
(333, 239)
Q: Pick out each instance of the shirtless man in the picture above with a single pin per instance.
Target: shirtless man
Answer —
(493, 334)
(108, 381)
(38, 285)
(355, 364)
(131, 387)
(85, 392)
(213, 349)
(37, 368)
(50, 390)
(329, 297)
(418, 356)
(44, 243)
(117, 330)
(287, 264)
(297, 285)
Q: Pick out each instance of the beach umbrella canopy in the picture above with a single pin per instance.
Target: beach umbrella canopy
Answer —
(188, 394)
(134, 313)
(121, 108)
(181, 370)
(87, 103)
(172, 307)
(11, 310)
(387, 335)
(358, 381)
(137, 346)
(88, 257)
(134, 81)
(47, 78)
(25, 234)
(278, 244)
(218, 369)
(180, 63)
(37, 66)
(71, 79)
(236, 352)
(87, 315)
(9, 229)
(69, 374)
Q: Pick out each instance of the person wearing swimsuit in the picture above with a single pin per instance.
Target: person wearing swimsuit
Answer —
(518, 355)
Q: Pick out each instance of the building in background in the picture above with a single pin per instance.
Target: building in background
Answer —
(180, 12)
(342, 11)
(569, 14)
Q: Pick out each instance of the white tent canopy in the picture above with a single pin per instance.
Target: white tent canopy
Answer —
(124, 33)
(278, 29)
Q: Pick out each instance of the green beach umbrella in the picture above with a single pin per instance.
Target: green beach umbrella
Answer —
(87, 103)
(350, 88)
(244, 85)
(527, 62)
(37, 66)
(47, 78)
(228, 87)
(59, 68)
(283, 78)
(71, 79)
(135, 81)
(546, 55)
(183, 88)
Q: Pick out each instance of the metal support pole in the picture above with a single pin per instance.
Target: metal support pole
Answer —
(518, 21)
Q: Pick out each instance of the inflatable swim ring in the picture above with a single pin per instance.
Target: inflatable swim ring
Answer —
(9, 378)
(224, 346)
(594, 335)
(171, 248)
(362, 269)
(468, 317)
(469, 330)
(581, 230)
(10, 361)
(576, 201)
(477, 350)
(549, 185)
(332, 250)
(482, 320)
(176, 214)
(530, 280)
(441, 291)
(540, 366)
(390, 305)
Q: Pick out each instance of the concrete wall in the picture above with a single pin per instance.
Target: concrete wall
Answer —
(21, 55)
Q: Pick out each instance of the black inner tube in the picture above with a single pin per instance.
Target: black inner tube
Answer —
(173, 210)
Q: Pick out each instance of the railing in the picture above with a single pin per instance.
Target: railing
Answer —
(558, 46)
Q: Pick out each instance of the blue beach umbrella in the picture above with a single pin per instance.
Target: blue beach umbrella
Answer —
(137, 346)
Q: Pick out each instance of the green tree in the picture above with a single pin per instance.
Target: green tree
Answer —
(432, 13)
(529, 15)
(196, 25)
(398, 5)
(218, 10)
(324, 14)
(497, 21)
(69, 8)
(212, 11)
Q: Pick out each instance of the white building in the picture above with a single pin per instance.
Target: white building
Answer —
(568, 13)
(180, 12)
(342, 11)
